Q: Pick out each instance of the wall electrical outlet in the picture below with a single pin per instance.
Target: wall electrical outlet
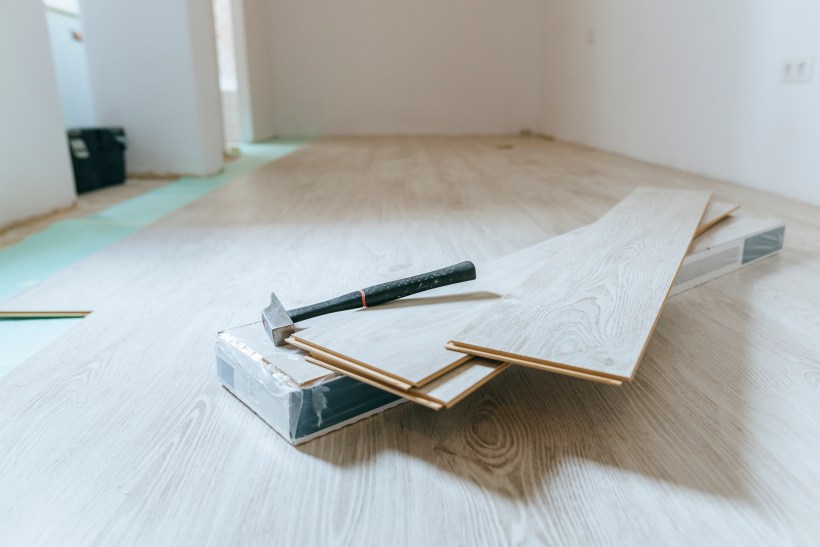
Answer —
(798, 70)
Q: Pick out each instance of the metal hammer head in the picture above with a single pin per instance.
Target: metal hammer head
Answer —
(278, 323)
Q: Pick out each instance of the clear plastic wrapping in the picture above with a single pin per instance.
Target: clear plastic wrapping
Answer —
(300, 401)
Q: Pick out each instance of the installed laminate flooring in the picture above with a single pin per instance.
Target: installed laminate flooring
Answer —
(118, 432)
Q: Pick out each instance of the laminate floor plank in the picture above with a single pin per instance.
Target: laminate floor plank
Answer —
(715, 212)
(406, 339)
(463, 379)
(444, 391)
(409, 394)
(118, 433)
(592, 308)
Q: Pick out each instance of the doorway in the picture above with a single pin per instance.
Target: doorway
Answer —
(226, 60)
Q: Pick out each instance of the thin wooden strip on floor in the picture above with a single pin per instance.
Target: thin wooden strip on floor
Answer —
(593, 307)
(405, 339)
(727, 413)
(42, 314)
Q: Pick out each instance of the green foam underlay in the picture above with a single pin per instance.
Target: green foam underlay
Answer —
(65, 242)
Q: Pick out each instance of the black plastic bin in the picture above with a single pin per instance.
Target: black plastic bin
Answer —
(98, 157)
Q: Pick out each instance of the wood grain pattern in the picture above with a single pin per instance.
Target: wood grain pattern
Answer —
(304, 373)
(593, 307)
(444, 391)
(463, 379)
(119, 434)
(406, 339)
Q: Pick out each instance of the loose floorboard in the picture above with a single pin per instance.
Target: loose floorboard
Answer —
(451, 387)
(349, 365)
(304, 373)
(593, 306)
(444, 391)
(464, 379)
(42, 314)
(119, 433)
(410, 394)
(406, 339)
(715, 212)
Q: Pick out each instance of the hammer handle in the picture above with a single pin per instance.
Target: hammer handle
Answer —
(386, 292)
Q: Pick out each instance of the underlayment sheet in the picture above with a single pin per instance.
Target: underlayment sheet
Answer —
(63, 243)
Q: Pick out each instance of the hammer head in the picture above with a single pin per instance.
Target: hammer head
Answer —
(277, 322)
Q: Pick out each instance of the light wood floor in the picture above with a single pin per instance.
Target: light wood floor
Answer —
(118, 433)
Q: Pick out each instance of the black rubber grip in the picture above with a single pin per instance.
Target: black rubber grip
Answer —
(386, 292)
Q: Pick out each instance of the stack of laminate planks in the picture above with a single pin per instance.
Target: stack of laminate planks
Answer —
(591, 310)
(582, 304)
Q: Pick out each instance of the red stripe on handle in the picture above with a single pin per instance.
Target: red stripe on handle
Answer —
(364, 302)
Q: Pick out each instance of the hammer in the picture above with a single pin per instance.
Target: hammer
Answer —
(279, 322)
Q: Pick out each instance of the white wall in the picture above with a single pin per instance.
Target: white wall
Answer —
(71, 65)
(153, 71)
(253, 35)
(411, 66)
(35, 170)
(226, 57)
(693, 84)
(67, 6)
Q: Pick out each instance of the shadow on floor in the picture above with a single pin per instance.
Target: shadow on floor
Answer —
(680, 421)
